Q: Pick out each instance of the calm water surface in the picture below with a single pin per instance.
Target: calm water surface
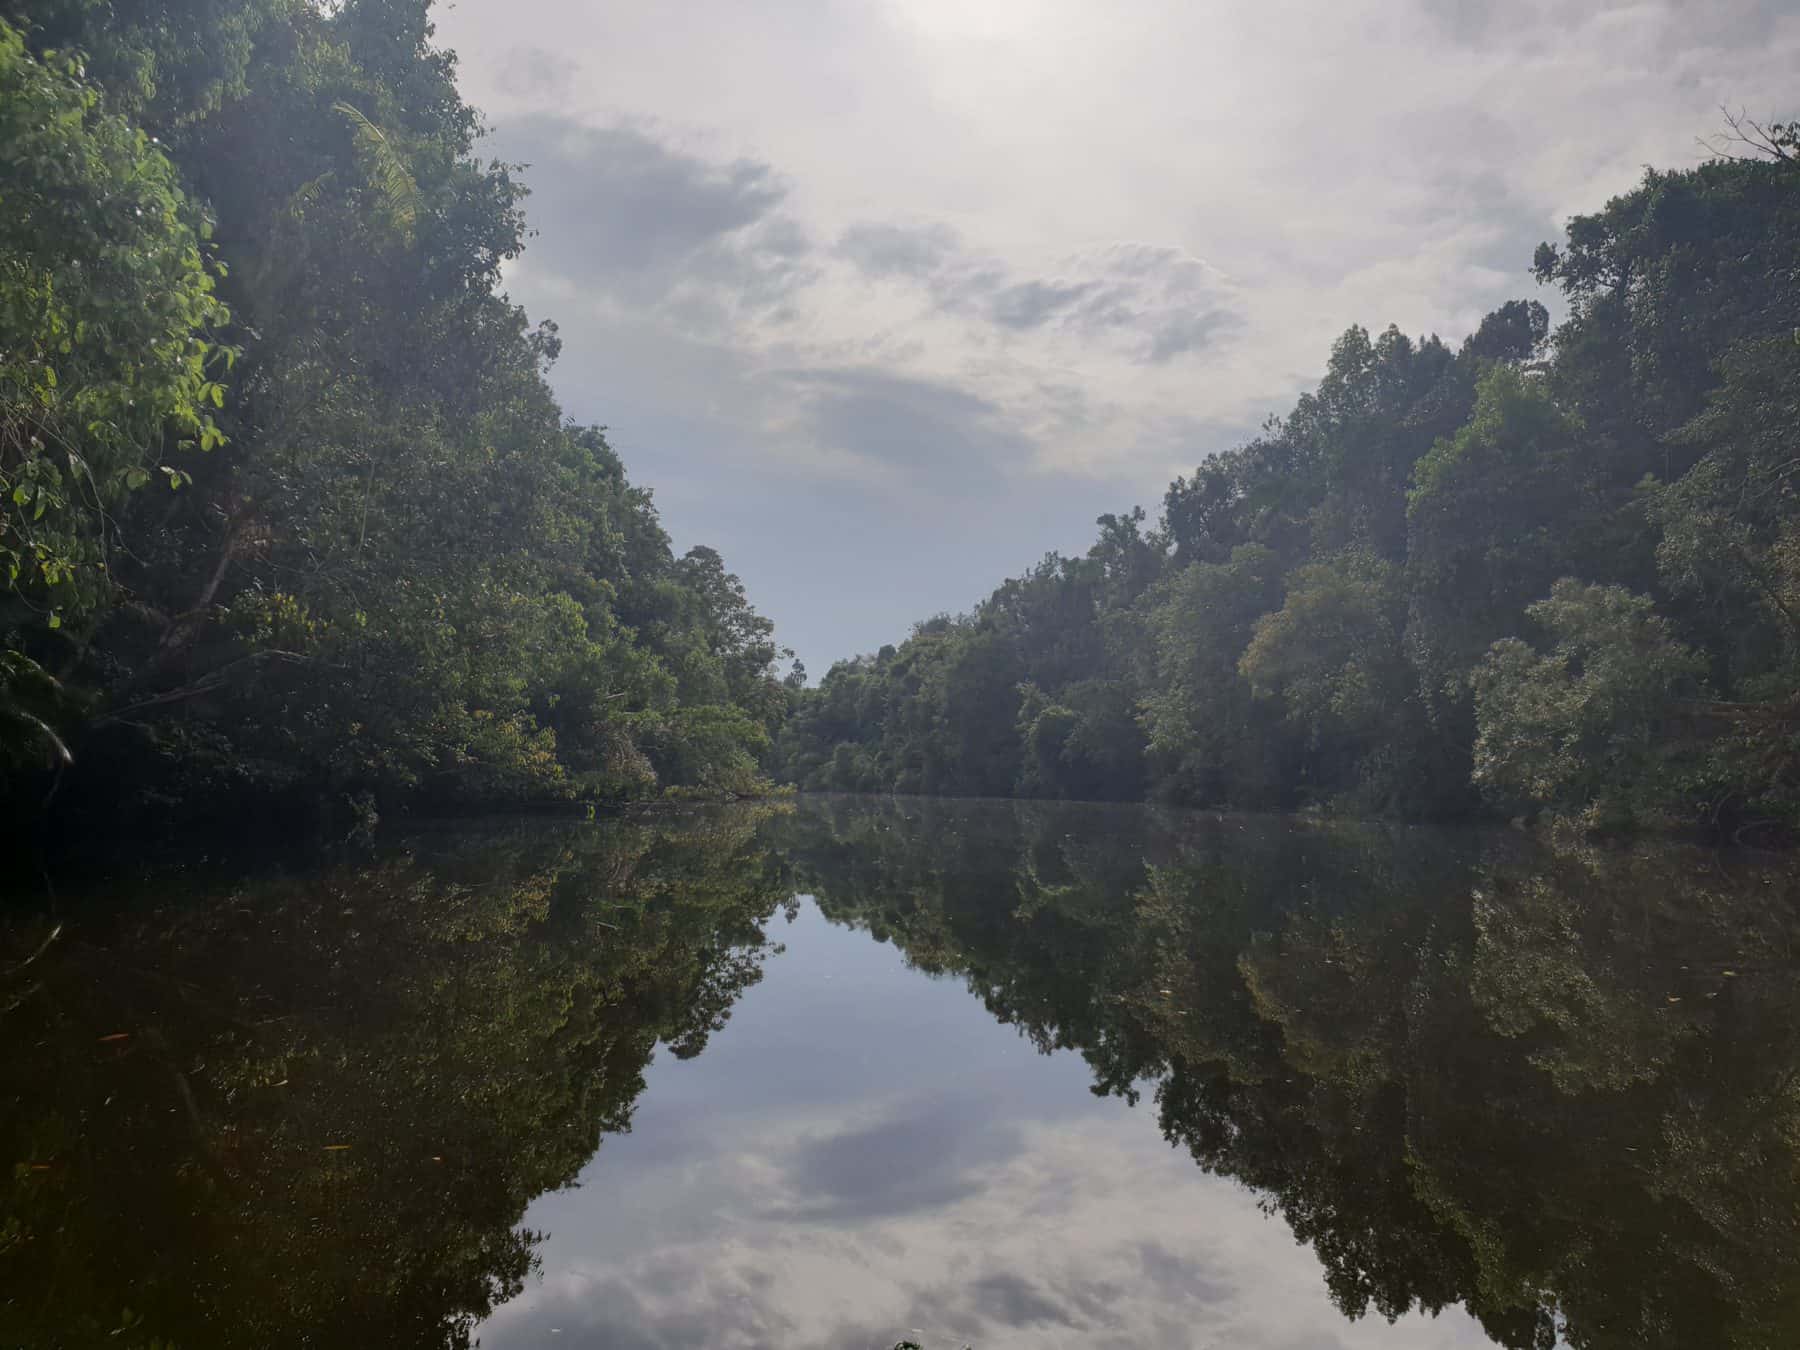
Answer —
(983, 1074)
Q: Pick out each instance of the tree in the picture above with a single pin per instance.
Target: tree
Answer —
(1494, 515)
(1660, 282)
(398, 576)
(1582, 728)
(108, 363)
(1204, 733)
(1731, 525)
(1332, 656)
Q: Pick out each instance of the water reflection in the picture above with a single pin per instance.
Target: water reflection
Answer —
(1558, 1089)
(1500, 1093)
(312, 1110)
(973, 1192)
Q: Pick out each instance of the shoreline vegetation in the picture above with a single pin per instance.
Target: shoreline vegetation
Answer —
(291, 524)
(293, 528)
(1552, 574)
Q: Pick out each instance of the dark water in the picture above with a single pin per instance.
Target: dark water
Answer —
(981, 1074)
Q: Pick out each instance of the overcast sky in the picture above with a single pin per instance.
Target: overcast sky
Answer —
(886, 298)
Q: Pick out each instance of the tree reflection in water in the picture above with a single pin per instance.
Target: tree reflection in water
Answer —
(1556, 1087)
(311, 1110)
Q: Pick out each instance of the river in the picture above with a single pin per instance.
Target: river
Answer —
(852, 1072)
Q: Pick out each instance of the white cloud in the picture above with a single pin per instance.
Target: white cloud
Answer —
(1102, 224)
(1077, 1234)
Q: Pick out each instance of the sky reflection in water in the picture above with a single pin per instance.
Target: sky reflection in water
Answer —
(341, 1102)
(864, 1152)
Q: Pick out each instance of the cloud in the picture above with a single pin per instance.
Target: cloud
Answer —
(886, 250)
(1030, 304)
(922, 434)
(1156, 302)
(1037, 241)
(1166, 302)
(680, 1303)
(918, 1160)
(535, 70)
(1088, 1233)
(1173, 1273)
(1466, 21)
(1015, 1301)
(1510, 23)
(633, 215)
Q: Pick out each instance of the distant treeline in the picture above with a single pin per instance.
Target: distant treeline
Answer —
(287, 509)
(1542, 572)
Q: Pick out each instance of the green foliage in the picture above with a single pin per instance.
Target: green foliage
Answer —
(1332, 657)
(106, 306)
(1578, 729)
(951, 711)
(1311, 622)
(1495, 514)
(398, 574)
(711, 747)
(1332, 650)
(29, 698)
(1197, 711)
(1730, 529)
(385, 171)
(163, 63)
(1662, 281)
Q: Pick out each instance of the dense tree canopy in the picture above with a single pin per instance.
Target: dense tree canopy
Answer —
(288, 511)
(1546, 571)
(287, 508)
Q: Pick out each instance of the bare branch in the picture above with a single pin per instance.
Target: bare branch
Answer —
(1776, 141)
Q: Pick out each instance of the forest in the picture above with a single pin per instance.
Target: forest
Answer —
(1549, 572)
(292, 523)
(290, 519)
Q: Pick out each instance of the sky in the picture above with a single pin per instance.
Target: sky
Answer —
(887, 298)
